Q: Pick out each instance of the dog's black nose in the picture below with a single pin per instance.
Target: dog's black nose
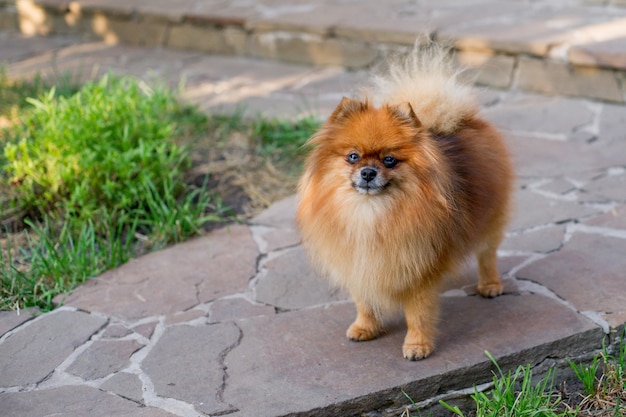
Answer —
(368, 174)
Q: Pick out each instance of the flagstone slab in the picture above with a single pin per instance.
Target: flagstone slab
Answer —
(531, 209)
(275, 228)
(104, 357)
(30, 354)
(125, 385)
(607, 53)
(559, 186)
(289, 283)
(237, 308)
(614, 218)
(186, 364)
(309, 364)
(543, 240)
(588, 272)
(556, 116)
(611, 124)
(611, 188)
(16, 47)
(280, 214)
(553, 77)
(115, 331)
(540, 158)
(73, 401)
(9, 320)
(271, 239)
(174, 279)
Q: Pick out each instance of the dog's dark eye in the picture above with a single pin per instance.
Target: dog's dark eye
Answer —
(353, 157)
(390, 161)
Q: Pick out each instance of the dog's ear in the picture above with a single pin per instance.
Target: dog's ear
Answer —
(347, 107)
(405, 110)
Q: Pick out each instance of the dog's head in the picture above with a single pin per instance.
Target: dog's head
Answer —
(372, 149)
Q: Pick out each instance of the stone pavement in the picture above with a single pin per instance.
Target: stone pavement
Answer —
(235, 323)
(567, 47)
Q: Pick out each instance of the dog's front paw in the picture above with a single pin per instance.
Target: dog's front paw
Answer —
(415, 352)
(359, 333)
(490, 290)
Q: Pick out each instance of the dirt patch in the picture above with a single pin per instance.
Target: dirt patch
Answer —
(246, 181)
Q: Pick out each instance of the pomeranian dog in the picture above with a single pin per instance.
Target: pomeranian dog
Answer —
(399, 188)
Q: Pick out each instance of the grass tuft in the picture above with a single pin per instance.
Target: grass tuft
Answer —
(57, 257)
(587, 374)
(94, 150)
(604, 396)
(514, 394)
(94, 178)
(284, 138)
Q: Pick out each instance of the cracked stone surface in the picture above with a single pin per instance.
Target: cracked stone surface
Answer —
(10, 320)
(103, 358)
(205, 269)
(278, 288)
(187, 365)
(601, 275)
(73, 401)
(236, 322)
(542, 240)
(533, 209)
(613, 219)
(325, 369)
(552, 118)
(36, 349)
(237, 308)
(125, 385)
(607, 189)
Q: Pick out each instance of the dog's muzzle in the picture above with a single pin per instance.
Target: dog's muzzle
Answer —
(368, 180)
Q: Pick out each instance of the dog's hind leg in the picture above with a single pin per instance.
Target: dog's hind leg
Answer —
(489, 283)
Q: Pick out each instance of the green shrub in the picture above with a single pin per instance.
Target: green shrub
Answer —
(97, 177)
(93, 150)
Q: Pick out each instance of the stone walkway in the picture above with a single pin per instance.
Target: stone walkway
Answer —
(567, 47)
(235, 323)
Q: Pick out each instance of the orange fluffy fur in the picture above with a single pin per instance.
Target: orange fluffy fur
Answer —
(399, 188)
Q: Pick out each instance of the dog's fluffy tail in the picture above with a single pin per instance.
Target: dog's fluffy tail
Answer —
(427, 79)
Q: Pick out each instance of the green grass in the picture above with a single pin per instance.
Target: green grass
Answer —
(94, 150)
(518, 394)
(277, 140)
(283, 139)
(57, 257)
(587, 374)
(605, 395)
(514, 394)
(94, 177)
